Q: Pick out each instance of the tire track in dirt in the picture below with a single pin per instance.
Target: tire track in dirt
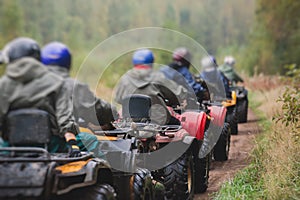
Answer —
(240, 148)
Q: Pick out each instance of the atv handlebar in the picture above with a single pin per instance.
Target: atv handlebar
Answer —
(134, 129)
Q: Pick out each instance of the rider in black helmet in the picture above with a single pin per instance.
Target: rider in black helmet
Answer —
(28, 84)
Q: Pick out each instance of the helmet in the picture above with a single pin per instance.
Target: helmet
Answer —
(142, 57)
(209, 61)
(181, 54)
(56, 53)
(21, 47)
(229, 60)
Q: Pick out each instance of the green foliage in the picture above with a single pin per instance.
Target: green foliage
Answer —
(290, 107)
(290, 100)
(246, 185)
(275, 37)
(10, 18)
(275, 166)
(83, 25)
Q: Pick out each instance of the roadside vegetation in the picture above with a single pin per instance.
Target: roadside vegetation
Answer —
(275, 168)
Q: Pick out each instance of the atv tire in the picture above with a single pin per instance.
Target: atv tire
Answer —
(242, 110)
(201, 173)
(234, 121)
(142, 185)
(179, 178)
(95, 192)
(221, 149)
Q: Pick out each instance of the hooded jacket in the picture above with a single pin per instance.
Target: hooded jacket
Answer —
(184, 71)
(85, 104)
(154, 84)
(229, 72)
(28, 84)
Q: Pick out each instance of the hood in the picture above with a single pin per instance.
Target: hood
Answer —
(141, 77)
(63, 72)
(25, 69)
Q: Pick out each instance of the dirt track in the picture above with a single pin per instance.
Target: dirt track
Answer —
(241, 146)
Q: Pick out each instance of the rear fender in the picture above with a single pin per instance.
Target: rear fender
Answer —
(218, 115)
(77, 174)
(193, 123)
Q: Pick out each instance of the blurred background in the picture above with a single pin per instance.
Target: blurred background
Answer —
(263, 36)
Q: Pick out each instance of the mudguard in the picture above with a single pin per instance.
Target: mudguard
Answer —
(193, 123)
(218, 115)
(22, 179)
(77, 174)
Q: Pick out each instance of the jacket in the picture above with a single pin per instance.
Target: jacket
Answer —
(86, 105)
(184, 71)
(229, 72)
(154, 84)
(28, 84)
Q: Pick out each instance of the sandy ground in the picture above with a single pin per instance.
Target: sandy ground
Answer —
(240, 147)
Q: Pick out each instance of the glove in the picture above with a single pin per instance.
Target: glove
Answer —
(107, 127)
(74, 150)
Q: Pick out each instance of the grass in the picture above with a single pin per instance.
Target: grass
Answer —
(275, 168)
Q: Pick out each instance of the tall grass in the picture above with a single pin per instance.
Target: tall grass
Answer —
(275, 169)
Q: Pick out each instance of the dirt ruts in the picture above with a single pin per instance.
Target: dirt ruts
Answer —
(240, 148)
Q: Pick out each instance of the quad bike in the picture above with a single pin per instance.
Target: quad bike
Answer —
(242, 103)
(181, 176)
(224, 120)
(29, 171)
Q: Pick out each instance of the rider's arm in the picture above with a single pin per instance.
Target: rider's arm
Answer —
(64, 112)
(190, 80)
(237, 78)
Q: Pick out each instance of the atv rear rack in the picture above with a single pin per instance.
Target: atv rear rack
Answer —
(37, 155)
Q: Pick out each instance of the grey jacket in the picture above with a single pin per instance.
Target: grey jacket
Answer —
(230, 73)
(154, 84)
(85, 104)
(28, 84)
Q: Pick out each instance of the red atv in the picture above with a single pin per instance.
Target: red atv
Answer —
(170, 152)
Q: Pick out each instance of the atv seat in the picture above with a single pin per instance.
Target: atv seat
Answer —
(27, 127)
(136, 107)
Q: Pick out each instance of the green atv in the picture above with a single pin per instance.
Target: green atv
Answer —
(29, 171)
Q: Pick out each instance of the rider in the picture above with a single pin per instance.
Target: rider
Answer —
(215, 79)
(28, 84)
(178, 71)
(228, 70)
(89, 111)
(142, 79)
(87, 107)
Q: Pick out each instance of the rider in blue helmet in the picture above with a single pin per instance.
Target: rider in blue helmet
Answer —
(143, 79)
(143, 57)
(56, 53)
(89, 110)
(57, 57)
